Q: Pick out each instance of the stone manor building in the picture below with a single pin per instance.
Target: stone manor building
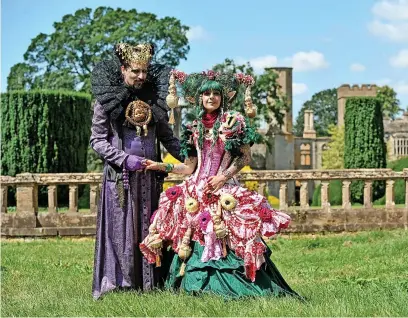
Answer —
(287, 152)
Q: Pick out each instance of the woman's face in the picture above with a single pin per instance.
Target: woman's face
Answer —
(211, 100)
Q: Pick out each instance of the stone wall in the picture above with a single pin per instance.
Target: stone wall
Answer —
(28, 221)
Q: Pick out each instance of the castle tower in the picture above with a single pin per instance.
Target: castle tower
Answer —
(345, 91)
(285, 81)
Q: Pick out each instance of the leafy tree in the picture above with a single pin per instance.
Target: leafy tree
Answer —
(333, 156)
(65, 58)
(266, 93)
(390, 104)
(324, 106)
(21, 76)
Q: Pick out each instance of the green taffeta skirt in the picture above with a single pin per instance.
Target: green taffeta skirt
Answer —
(226, 277)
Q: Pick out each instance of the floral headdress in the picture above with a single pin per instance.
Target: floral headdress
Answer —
(192, 87)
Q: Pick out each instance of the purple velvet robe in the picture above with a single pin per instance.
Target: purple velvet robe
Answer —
(118, 260)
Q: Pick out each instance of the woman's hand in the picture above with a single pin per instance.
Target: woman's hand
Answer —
(215, 183)
(152, 165)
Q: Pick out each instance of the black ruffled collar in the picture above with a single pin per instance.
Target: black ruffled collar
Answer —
(111, 92)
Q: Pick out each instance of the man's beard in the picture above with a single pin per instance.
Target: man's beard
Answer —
(138, 85)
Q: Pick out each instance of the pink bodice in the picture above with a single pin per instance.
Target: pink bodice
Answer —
(211, 158)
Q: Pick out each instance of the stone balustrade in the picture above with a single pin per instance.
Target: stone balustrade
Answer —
(27, 221)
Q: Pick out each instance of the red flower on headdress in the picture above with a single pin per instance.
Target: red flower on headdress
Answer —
(173, 193)
(248, 80)
(211, 75)
(245, 79)
(179, 75)
(239, 77)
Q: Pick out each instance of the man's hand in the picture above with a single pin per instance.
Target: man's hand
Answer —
(152, 165)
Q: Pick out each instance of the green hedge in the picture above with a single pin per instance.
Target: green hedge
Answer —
(44, 131)
(364, 145)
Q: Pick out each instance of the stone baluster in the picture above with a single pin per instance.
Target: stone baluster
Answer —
(261, 187)
(94, 198)
(325, 198)
(368, 194)
(52, 199)
(345, 191)
(4, 199)
(27, 201)
(283, 195)
(390, 194)
(73, 198)
(304, 195)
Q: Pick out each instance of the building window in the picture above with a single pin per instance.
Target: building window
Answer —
(305, 154)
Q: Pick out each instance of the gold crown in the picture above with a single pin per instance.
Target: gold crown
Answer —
(139, 54)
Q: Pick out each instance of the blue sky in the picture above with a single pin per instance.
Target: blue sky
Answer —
(327, 42)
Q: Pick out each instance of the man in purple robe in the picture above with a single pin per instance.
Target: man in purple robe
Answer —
(130, 121)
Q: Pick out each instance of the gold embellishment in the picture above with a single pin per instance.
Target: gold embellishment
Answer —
(185, 250)
(191, 205)
(139, 114)
(230, 120)
(139, 54)
(250, 110)
(172, 98)
(155, 243)
(228, 202)
(219, 225)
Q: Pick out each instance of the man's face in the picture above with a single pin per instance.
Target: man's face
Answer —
(134, 75)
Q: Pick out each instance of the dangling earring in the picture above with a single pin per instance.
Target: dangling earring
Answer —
(200, 101)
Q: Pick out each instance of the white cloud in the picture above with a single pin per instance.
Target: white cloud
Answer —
(401, 87)
(197, 33)
(390, 20)
(259, 63)
(400, 60)
(307, 61)
(357, 67)
(391, 10)
(300, 61)
(299, 88)
(396, 32)
(383, 81)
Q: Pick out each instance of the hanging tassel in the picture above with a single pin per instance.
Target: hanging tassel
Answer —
(249, 106)
(182, 269)
(224, 248)
(158, 260)
(172, 120)
(172, 98)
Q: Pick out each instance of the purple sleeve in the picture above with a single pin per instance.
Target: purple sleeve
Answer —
(99, 138)
(133, 163)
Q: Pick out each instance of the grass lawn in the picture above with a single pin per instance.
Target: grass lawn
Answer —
(351, 274)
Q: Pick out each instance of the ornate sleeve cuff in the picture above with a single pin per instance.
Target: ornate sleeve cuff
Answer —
(133, 163)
